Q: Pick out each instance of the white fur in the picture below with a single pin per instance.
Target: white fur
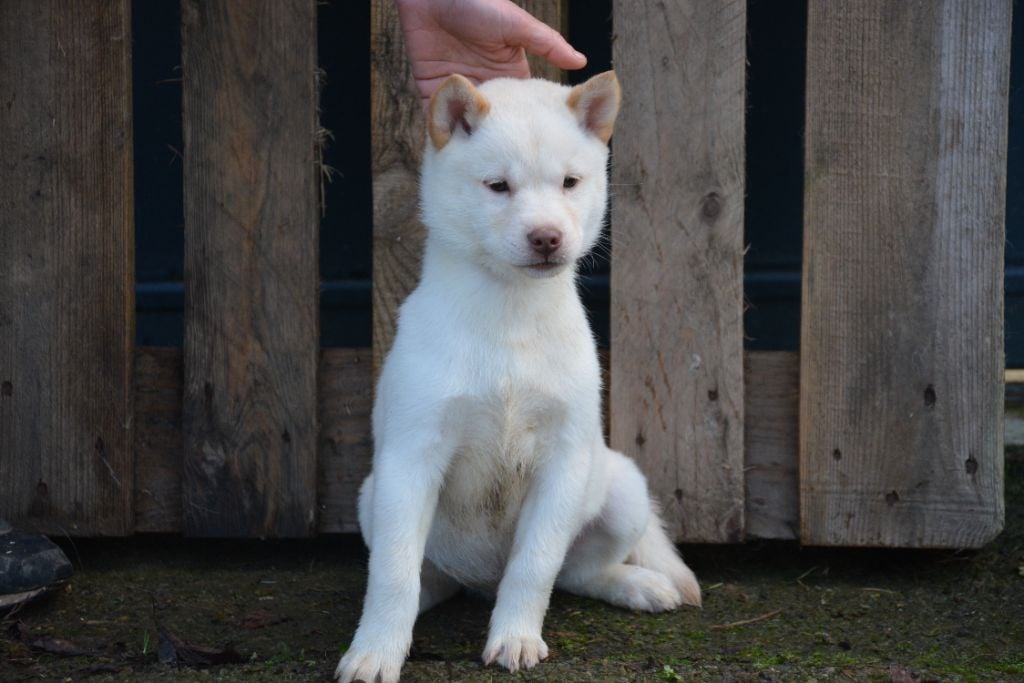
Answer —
(490, 469)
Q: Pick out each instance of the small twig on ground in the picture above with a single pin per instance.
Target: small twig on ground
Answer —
(744, 622)
(881, 590)
(800, 579)
(806, 574)
(713, 587)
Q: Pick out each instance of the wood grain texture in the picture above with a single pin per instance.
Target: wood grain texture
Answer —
(66, 266)
(397, 139)
(346, 388)
(677, 256)
(346, 440)
(158, 445)
(554, 13)
(772, 404)
(251, 267)
(345, 381)
(902, 340)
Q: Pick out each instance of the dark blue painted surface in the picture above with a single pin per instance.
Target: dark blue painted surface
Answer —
(773, 230)
(159, 231)
(774, 179)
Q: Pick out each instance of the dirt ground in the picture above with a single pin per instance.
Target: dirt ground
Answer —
(157, 608)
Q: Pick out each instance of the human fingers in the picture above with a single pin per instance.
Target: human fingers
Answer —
(537, 38)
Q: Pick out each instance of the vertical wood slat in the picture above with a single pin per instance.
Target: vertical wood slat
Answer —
(397, 138)
(902, 340)
(66, 266)
(251, 267)
(677, 236)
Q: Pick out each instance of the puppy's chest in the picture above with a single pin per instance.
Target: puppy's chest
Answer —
(501, 438)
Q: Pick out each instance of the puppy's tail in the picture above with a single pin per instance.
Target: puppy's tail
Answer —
(656, 552)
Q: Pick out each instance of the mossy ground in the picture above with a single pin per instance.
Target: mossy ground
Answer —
(288, 608)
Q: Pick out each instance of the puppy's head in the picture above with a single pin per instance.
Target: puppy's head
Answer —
(514, 176)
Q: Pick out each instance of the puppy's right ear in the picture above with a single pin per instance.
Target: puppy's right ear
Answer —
(456, 104)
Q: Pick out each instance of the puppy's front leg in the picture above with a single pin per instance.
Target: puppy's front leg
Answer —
(549, 521)
(405, 491)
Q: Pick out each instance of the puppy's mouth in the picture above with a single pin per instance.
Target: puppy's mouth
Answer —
(545, 267)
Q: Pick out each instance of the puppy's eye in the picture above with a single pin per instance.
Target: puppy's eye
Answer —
(570, 182)
(498, 185)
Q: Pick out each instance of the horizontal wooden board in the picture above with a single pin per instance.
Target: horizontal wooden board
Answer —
(345, 386)
(159, 445)
(346, 442)
(772, 401)
(346, 445)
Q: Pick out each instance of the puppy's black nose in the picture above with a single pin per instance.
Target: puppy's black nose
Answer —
(545, 240)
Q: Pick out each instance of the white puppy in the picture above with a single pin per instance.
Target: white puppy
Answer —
(490, 469)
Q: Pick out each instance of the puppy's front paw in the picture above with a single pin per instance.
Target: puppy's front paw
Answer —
(515, 652)
(369, 666)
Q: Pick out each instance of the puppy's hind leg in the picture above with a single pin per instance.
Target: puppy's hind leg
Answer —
(435, 585)
(604, 562)
(657, 552)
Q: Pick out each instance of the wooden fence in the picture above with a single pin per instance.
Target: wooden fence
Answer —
(885, 429)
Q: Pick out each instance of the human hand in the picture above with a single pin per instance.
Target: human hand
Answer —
(480, 39)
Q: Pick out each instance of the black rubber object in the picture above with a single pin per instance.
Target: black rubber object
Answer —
(29, 561)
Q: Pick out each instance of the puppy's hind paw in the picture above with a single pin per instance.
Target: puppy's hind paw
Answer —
(686, 583)
(646, 590)
(367, 666)
(515, 652)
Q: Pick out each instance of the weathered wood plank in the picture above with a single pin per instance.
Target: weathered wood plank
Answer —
(346, 387)
(159, 447)
(677, 256)
(251, 267)
(902, 343)
(66, 266)
(772, 403)
(397, 138)
(346, 442)
(345, 381)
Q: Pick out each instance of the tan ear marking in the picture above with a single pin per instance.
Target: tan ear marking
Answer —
(456, 104)
(596, 104)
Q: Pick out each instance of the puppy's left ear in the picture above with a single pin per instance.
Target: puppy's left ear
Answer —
(456, 105)
(596, 104)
